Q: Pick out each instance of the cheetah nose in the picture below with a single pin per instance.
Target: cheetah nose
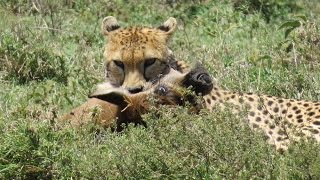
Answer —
(135, 90)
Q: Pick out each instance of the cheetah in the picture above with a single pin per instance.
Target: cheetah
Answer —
(139, 56)
(136, 56)
(282, 120)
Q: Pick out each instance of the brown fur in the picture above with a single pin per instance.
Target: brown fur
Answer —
(108, 114)
(128, 110)
(94, 109)
(116, 105)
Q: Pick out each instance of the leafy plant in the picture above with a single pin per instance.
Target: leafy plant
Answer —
(301, 39)
(23, 62)
(268, 8)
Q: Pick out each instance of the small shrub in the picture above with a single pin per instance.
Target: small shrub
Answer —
(268, 8)
(302, 41)
(23, 61)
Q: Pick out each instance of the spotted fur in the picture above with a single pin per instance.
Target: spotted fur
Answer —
(282, 120)
(137, 61)
(137, 55)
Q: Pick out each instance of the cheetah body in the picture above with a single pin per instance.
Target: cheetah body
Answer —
(282, 120)
(139, 55)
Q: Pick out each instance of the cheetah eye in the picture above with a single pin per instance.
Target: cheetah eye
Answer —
(119, 64)
(149, 62)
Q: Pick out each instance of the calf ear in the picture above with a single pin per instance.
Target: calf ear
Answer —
(107, 92)
(199, 79)
(109, 24)
(169, 26)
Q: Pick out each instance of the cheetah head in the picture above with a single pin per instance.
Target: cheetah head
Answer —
(136, 55)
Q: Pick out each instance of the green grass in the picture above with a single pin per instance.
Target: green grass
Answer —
(51, 57)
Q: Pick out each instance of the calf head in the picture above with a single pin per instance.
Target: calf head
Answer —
(117, 103)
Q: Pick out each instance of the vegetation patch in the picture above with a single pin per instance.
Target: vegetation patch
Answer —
(51, 57)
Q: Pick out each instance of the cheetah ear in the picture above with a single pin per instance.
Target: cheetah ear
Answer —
(109, 24)
(169, 26)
